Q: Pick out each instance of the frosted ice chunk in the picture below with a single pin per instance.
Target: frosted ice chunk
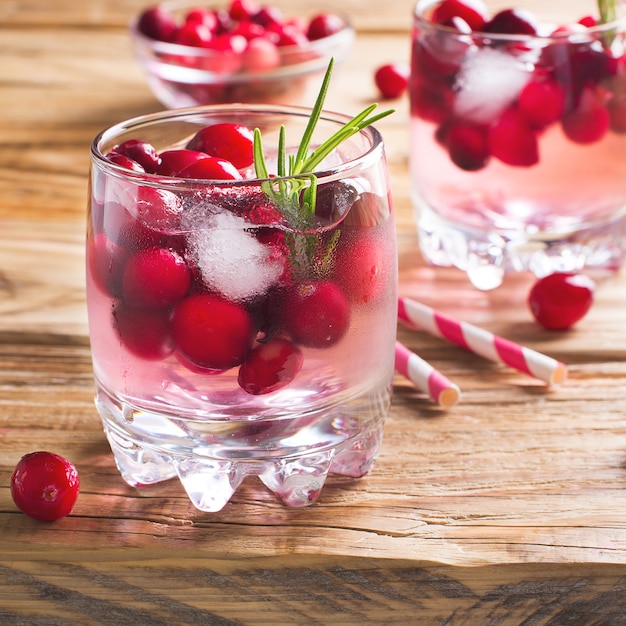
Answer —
(231, 260)
(489, 81)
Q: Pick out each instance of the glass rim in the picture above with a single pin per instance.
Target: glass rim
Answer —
(364, 159)
(590, 32)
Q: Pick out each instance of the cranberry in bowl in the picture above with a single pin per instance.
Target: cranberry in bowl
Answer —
(239, 52)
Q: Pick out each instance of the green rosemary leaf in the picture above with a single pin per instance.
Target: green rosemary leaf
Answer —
(608, 11)
(316, 111)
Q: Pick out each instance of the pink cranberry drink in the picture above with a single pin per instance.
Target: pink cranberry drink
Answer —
(240, 324)
(518, 138)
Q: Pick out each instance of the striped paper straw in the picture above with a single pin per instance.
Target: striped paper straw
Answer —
(425, 377)
(482, 342)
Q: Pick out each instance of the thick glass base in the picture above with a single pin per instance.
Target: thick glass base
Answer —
(292, 455)
(487, 256)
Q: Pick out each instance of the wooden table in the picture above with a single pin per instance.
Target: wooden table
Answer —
(509, 507)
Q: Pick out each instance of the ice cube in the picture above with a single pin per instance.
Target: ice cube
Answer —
(231, 260)
(490, 80)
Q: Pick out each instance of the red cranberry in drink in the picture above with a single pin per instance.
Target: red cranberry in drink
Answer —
(45, 486)
(561, 299)
(270, 366)
(512, 22)
(316, 314)
(233, 142)
(431, 103)
(589, 122)
(392, 79)
(617, 112)
(473, 12)
(467, 145)
(105, 262)
(360, 268)
(513, 141)
(542, 102)
(144, 332)
(173, 161)
(141, 152)
(123, 161)
(211, 332)
(157, 23)
(156, 277)
(211, 168)
(324, 25)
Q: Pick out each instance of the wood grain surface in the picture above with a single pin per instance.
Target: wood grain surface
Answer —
(508, 509)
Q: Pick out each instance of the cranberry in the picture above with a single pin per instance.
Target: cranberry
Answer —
(45, 486)
(123, 161)
(141, 152)
(233, 142)
(211, 168)
(467, 145)
(561, 299)
(316, 314)
(360, 267)
(173, 161)
(195, 34)
(513, 141)
(243, 9)
(211, 332)
(324, 25)
(156, 277)
(542, 102)
(261, 55)
(472, 12)
(270, 366)
(202, 15)
(105, 263)
(157, 23)
(392, 79)
(144, 332)
(589, 122)
(512, 22)
(617, 112)
(431, 103)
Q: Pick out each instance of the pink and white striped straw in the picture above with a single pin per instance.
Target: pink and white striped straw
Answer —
(482, 342)
(425, 377)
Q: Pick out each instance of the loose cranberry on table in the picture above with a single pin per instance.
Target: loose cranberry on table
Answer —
(45, 486)
(559, 300)
(392, 79)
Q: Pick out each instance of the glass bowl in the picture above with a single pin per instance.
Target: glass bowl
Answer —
(238, 65)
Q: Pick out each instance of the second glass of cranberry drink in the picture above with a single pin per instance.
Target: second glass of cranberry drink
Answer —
(518, 136)
(242, 306)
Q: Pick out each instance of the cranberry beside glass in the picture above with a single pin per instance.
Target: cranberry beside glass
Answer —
(230, 335)
(518, 138)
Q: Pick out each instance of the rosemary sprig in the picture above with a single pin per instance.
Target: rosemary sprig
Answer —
(295, 190)
(608, 11)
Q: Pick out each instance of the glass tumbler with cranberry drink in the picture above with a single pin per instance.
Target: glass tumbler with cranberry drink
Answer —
(241, 282)
(518, 136)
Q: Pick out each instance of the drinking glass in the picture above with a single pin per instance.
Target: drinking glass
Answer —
(518, 141)
(230, 335)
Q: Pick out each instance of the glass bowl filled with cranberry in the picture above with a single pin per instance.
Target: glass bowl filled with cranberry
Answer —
(239, 52)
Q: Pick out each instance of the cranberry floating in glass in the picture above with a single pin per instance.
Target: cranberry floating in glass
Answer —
(518, 137)
(242, 325)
